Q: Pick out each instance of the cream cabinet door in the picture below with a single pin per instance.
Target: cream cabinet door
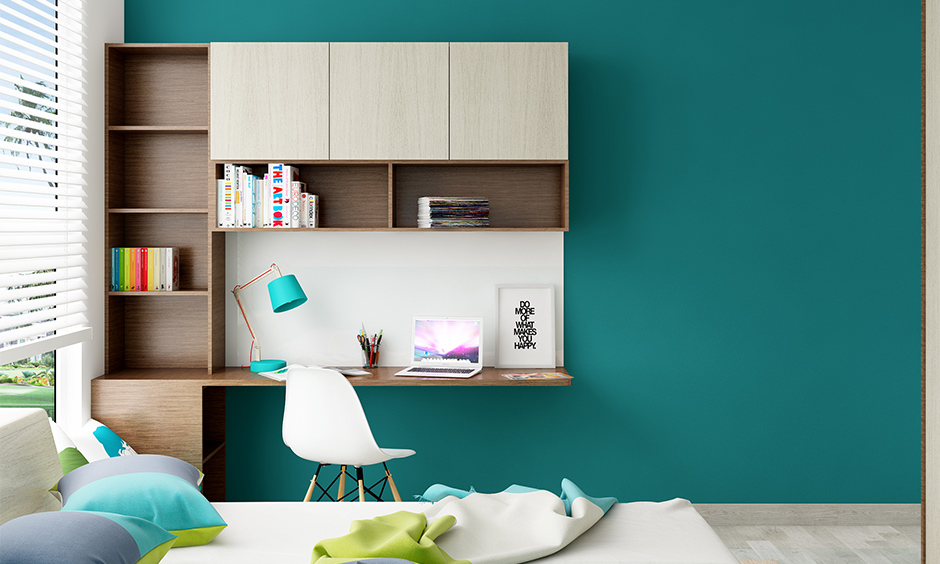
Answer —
(269, 101)
(388, 101)
(509, 101)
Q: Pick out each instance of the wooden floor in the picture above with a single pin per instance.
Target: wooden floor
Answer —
(823, 544)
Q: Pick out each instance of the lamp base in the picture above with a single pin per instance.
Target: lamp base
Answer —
(267, 365)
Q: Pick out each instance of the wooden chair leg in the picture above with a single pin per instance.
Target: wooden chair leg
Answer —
(342, 482)
(313, 484)
(362, 496)
(391, 483)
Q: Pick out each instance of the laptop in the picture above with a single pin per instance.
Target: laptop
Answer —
(445, 347)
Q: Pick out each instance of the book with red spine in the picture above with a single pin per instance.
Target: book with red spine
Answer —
(142, 269)
(279, 187)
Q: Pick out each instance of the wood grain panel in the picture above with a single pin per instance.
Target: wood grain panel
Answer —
(526, 196)
(153, 416)
(388, 101)
(509, 101)
(213, 442)
(114, 335)
(163, 170)
(217, 295)
(114, 86)
(114, 184)
(270, 101)
(354, 196)
(165, 331)
(165, 90)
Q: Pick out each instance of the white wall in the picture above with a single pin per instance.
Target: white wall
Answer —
(79, 364)
(380, 279)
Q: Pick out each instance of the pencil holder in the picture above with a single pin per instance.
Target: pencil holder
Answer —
(370, 356)
(370, 349)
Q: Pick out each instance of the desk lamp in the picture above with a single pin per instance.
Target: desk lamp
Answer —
(286, 294)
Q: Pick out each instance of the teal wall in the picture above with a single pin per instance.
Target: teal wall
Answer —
(742, 274)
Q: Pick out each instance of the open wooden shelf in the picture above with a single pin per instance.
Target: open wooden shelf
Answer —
(157, 85)
(383, 195)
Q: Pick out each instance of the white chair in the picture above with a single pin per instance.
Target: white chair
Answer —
(324, 423)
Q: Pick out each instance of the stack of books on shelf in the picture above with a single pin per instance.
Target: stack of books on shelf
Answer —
(452, 213)
(278, 199)
(145, 269)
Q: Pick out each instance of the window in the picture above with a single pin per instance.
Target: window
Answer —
(29, 382)
(42, 198)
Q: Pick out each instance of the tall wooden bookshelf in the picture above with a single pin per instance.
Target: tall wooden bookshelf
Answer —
(156, 153)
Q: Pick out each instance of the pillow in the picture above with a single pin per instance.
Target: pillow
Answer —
(161, 489)
(70, 457)
(96, 441)
(79, 537)
(29, 466)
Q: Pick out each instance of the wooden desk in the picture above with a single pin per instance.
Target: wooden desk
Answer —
(181, 411)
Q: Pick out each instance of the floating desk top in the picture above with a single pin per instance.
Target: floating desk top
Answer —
(382, 376)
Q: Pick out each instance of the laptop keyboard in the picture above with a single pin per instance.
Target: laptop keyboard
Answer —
(430, 370)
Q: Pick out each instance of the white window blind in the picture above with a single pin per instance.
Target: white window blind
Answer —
(42, 177)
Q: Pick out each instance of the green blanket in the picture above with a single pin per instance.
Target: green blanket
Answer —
(403, 535)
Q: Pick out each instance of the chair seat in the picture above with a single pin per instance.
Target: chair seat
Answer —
(397, 452)
(366, 457)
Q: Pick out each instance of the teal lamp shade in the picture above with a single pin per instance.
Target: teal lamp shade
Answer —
(286, 293)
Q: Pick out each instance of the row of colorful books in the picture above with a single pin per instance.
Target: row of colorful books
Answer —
(145, 269)
(278, 199)
(440, 212)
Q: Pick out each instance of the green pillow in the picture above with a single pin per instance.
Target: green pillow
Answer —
(160, 489)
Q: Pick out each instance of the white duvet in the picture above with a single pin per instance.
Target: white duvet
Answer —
(285, 533)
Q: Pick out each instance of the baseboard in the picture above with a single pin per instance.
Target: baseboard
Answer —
(851, 514)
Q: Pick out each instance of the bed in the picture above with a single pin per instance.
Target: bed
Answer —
(286, 532)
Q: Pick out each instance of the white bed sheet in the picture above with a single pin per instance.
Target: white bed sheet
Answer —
(285, 532)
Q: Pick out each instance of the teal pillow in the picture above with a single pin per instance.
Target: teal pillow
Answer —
(80, 537)
(160, 489)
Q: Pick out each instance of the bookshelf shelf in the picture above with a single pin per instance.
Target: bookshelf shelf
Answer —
(158, 210)
(172, 294)
(159, 128)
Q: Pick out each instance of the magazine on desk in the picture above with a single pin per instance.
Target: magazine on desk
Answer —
(536, 375)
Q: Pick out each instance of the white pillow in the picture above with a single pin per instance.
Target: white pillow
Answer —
(96, 441)
(69, 456)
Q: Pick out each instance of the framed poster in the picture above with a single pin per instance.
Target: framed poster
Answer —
(525, 326)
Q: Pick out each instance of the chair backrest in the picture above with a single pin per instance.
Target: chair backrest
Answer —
(324, 421)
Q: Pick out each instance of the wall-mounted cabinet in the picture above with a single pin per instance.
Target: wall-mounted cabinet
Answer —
(270, 101)
(509, 101)
(388, 101)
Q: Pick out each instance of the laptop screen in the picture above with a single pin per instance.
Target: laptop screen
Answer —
(447, 342)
